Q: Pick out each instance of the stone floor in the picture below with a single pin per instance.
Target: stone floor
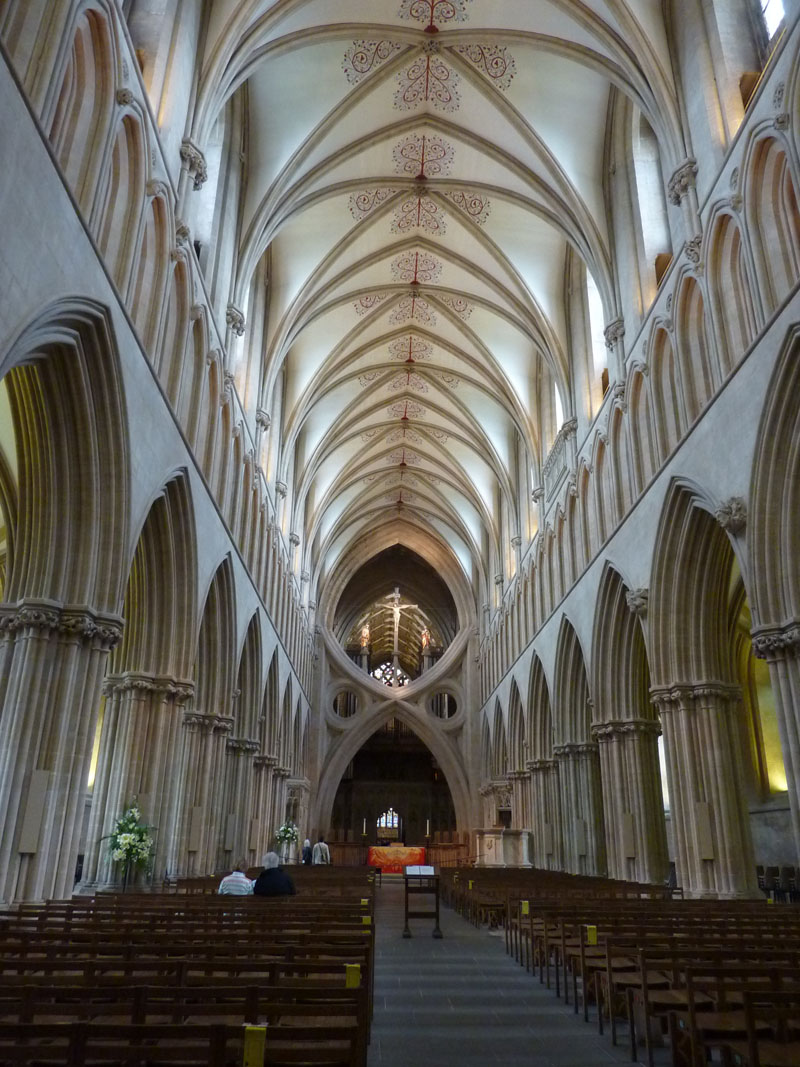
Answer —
(463, 1001)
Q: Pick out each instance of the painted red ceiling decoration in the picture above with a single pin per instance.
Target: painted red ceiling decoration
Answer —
(496, 63)
(368, 301)
(404, 457)
(428, 80)
(407, 379)
(361, 204)
(405, 410)
(405, 434)
(449, 380)
(362, 57)
(458, 304)
(416, 268)
(368, 377)
(473, 204)
(419, 213)
(422, 156)
(410, 349)
(413, 308)
(403, 496)
(433, 13)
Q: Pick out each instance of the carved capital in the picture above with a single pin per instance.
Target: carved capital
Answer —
(199, 720)
(575, 750)
(732, 514)
(235, 320)
(618, 729)
(294, 539)
(223, 724)
(636, 599)
(194, 162)
(281, 488)
(124, 97)
(693, 247)
(777, 642)
(542, 766)
(682, 181)
(516, 541)
(44, 617)
(498, 579)
(263, 419)
(689, 695)
(164, 686)
(182, 232)
(782, 121)
(537, 494)
(614, 332)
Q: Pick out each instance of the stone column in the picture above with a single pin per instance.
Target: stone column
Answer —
(636, 836)
(262, 812)
(780, 647)
(711, 824)
(582, 807)
(46, 737)
(239, 775)
(545, 814)
(198, 804)
(139, 747)
(519, 808)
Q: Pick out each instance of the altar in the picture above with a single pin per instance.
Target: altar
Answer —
(394, 858)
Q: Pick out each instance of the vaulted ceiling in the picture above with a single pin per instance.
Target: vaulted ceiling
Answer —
(417, 171)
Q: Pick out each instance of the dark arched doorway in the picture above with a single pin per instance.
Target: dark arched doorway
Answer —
(394, 770)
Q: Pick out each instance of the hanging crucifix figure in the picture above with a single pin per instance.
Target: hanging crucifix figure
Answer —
(397, 607)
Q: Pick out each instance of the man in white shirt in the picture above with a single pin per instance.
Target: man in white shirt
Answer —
(321, 853)
(236, 884)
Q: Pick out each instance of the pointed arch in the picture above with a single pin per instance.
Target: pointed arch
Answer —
(216, 646)
(83, 104)
(248, 682)
(774, 219)
(731, 288)
(627, 731)
(696, 375)
(669, 421)
(574, 711)
(123, 199)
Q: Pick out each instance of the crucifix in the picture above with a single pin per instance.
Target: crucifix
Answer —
(397, 608)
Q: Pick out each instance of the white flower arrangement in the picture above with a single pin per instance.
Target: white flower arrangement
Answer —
(287, 834)
(130, 842)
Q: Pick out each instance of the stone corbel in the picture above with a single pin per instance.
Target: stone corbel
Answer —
(614, 332)
(682, 181)
(194, 162)
(235, 320)
(637, 599)
(732, 515)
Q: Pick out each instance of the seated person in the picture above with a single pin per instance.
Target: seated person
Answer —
(236, 884)
(273, 880)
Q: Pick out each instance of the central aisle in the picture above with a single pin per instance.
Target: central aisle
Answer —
(463, 1001)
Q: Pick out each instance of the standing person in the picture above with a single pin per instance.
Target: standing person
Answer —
(273, 880)
(307, 852)
(236, 884)
(321, 853)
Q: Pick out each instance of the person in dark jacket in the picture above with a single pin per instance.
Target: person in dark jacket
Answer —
(273, 880)
(307, 852)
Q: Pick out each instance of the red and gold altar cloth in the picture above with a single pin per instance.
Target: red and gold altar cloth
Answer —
(393, 858)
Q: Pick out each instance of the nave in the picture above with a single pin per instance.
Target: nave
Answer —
(463, 1001)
